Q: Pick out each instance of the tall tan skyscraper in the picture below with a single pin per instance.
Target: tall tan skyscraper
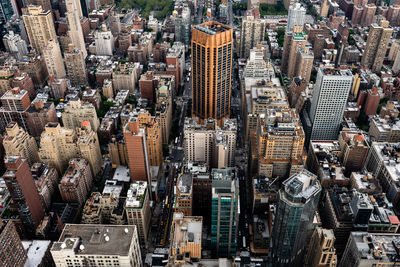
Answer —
(39, 26)
(212, 45)
(54, 61)
(75, 112)
(304, 63)
(57, 146)
(280, 142)
(377, 45)
(294, 41)
(89, 147)
(75, 65)
(74, 13)
(253, 32)
(17, 142)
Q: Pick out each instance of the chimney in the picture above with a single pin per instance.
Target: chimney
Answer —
(133, 126)
(39, 104)
(15, 90)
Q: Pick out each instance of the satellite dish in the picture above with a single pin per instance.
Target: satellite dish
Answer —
(63, 245)
(81, 247)
(107, 238)
(126, 230)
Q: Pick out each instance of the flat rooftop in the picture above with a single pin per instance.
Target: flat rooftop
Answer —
(212, 27)
(36, 250)
(187, 229)
(91, 239)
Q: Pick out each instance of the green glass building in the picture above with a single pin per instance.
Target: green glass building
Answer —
(224, 212)
(293, 224)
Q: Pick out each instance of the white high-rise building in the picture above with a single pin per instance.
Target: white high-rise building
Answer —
(97, 245)
(331, 91)
(15, 45)
(210, 143)
(296, 16)
(104, 41)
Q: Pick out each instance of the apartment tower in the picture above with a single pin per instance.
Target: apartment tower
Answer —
(53, 58)
(75, 66)
(253, 33)
(377, 44)
(39, 26)
(212, 51)
(294, 42)
(11, 248)
(24, 195)
(74, 25)
(17, 142)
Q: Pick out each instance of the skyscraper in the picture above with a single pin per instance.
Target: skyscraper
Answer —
(212, 51)
(57, 146)
(77, 181)
(293, 225)
(21, 186)
(74, 13)
(75, 66)
(280, 138)
(135, 139)
(296, 16)
(54, 61)
(11, 248)
(377, 44)
(39, 26)
(328, 103)
(224, 215)
(253, 32)
(295, 41)
(104, 41)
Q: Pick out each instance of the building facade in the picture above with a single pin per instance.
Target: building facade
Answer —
(212, 45)
(224, 212)
(293, 225)
(329, 102)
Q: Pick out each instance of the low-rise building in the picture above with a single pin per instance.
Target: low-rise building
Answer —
(384, 129)
(184, 194)
(323, 160)
(186, 236)
(366, 249)
(99, 245)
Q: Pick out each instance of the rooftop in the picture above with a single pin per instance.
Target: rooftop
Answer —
(187, 229)
(212, 27)
(36, 250)
(301, 186)
(383, 247)
(136, 195)
(90, 239)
